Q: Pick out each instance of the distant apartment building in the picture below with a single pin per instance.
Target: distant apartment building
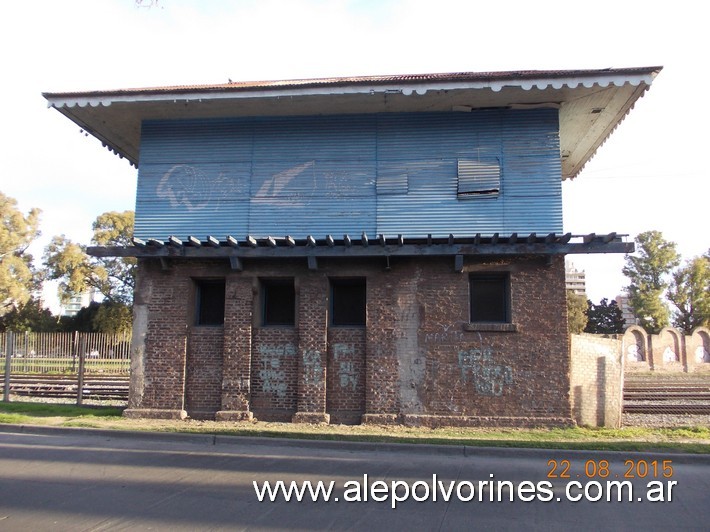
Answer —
(622, 300)
(575, 280)
(77, 302)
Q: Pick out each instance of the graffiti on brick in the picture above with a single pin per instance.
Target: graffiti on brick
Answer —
(312, 367)
(345, 366)
(343, 350)
(447, 333)
(271, 372)
(278, 350)
(237, 385)
(348, 375)
(477, 367)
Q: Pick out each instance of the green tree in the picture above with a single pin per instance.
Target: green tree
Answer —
(649, 271)
(604, 318)
(113, 278)
(29, 317)
(690, 294)
(17, 277)
(105, 317)
(576, 312)
(113, 318)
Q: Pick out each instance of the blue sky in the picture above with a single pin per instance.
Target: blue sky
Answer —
(649, 175)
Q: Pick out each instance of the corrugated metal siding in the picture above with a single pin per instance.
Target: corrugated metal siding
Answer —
(313, 175)
(427, 147)
(319, 175)
(194, 178)
(531, 151)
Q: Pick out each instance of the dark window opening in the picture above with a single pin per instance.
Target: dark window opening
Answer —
(279, 302)
(210, 302)
(490, 298)
(348, 302)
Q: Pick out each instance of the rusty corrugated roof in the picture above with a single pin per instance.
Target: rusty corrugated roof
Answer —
(237, 86)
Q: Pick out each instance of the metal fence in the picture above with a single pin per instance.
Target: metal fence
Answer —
(74, 364)
(62, 353)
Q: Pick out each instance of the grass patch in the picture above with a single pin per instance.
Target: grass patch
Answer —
(40, 410)
(691, 439)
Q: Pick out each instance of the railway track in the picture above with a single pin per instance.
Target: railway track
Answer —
(97, 387)
(667, 409)
(671, 394)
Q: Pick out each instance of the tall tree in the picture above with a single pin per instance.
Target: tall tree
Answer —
(690, 294)
(17, 232)
(649, 271)
(576, 312)
(29, 317)
(113, 278)
(604, 318)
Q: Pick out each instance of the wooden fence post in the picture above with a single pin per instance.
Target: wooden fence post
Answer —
(80, 375)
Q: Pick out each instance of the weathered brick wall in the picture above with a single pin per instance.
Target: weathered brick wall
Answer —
(697, 348)
(382, 401)
(274, 373)
(312, 309)
(203, 372)
(345, 396)
(473, 372)
(597, 380)
(237, 354)
(417, 361)
(669, 351)
(160, 362)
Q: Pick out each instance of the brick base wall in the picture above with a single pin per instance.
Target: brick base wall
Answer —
(417, 360)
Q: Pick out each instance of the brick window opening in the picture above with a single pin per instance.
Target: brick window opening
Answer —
(278, 302)
(490, 298)
(348, 302)
(210, 302)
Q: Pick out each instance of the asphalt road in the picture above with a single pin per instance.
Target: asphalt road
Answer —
(97, 480)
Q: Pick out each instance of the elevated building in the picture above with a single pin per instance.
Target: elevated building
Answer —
(379, 249)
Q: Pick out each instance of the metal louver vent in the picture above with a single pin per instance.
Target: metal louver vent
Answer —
(478, 178)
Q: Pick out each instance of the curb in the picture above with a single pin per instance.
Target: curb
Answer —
(466, 451)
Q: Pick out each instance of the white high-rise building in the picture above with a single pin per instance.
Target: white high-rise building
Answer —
(575, 280)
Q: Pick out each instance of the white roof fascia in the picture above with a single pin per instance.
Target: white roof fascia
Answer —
(330, 89)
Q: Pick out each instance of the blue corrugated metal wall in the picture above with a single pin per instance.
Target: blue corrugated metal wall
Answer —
(389, 173)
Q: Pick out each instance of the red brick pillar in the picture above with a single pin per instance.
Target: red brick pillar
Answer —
(312, 348)
(236, 362)
(381, 365)
(160, 343)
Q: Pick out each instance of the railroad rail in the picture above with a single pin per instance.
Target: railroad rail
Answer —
(97, 387)
(667, 394)
(666, 409)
